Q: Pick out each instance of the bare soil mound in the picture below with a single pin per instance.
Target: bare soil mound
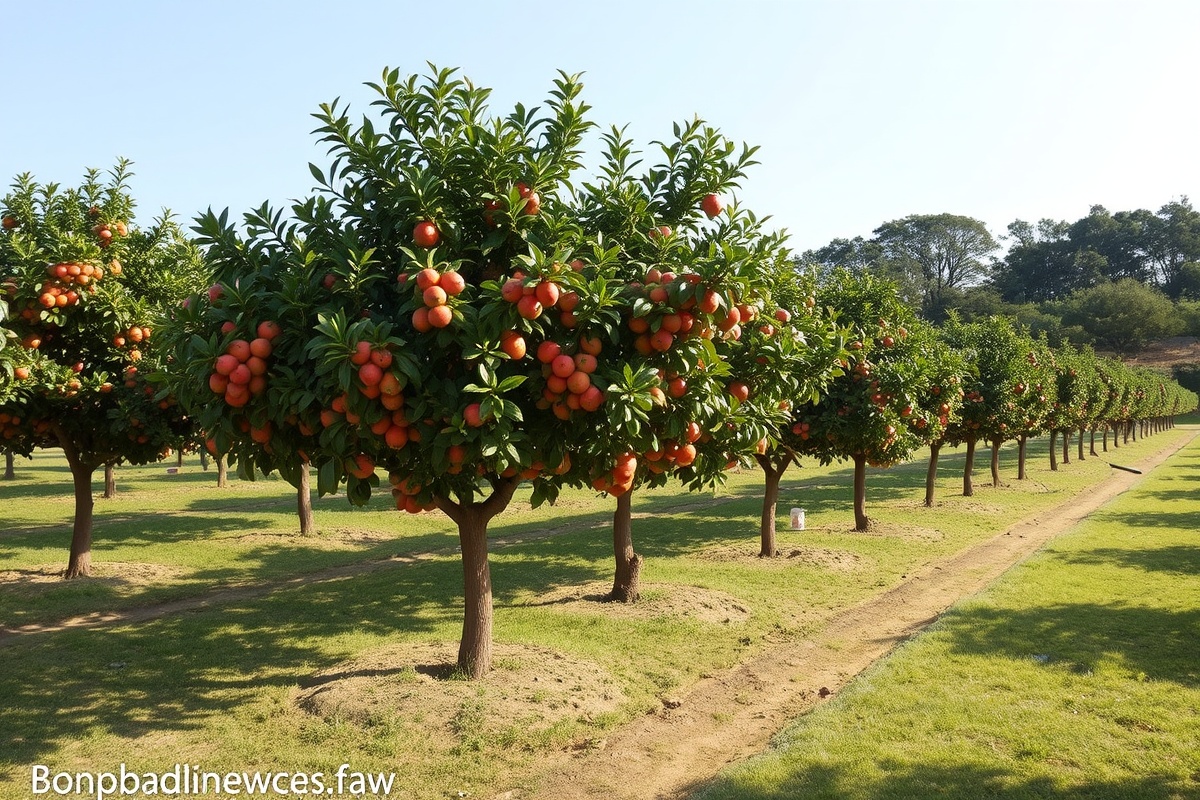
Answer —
(658, 600)
(530, 692)
(790, 555)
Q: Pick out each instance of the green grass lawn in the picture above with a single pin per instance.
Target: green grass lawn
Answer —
(218, 685)
(1076, 676)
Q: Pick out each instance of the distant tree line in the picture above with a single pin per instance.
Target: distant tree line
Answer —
(1116, 281)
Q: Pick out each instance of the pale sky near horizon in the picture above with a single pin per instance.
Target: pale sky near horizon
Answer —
(865, 110)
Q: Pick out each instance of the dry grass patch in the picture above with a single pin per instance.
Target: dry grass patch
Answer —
(658, 600)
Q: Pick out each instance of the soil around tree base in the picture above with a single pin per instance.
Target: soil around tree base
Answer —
(733, 715)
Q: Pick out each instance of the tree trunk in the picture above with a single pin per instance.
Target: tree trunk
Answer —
(968, 469)
(110, 481)
(1079, 453)
(204, 459)
(9, 471)
(475, 647)
(308, 523)
(1024, 440)
(1054, 451)
(179, 457)
(222, 472)
(1092, 443)
(627, 575)
(861, 522)
(1066, 434)
(772, 474)
(1129, 432)
(79, 565)
(931, 474)
(996, 444)
(1104, 427)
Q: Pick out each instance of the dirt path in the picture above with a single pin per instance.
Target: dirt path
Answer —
(732, 716)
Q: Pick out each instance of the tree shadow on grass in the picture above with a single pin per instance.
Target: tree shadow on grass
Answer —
(904, 781)
(1156, 642)
(1175, 560)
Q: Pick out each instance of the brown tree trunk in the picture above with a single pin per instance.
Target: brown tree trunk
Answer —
(9, 471)
(110, 480)
(861, 521)
(969, 469)
(772, 474)
(179, 457)
(1129, 431)
(931, 474)
(1021, 443)
(1104, 427)
(1066, 434)
(1079, 453)
(222, 472)
(475, 647)
(308, 523)
(1054, 451)
(627, 574)
(1092, 443)
(996, 444)
(204, 459)
(79, 564)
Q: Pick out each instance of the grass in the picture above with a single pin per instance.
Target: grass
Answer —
(1076, 676)
(217, 685)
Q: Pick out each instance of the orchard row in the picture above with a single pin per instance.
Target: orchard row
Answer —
(454, 308)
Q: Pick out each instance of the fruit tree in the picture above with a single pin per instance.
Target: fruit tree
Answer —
(84, 289)
(899, 389)
(446, 314)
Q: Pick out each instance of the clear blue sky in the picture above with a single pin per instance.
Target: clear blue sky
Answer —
(865, 111)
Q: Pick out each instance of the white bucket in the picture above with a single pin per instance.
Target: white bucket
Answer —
(797, 519)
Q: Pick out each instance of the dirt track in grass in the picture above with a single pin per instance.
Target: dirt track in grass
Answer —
(731, 716)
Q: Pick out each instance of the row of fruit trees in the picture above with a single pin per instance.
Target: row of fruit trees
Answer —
(457, 308)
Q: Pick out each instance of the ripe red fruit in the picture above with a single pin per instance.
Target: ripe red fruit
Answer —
(512, 290)
(711, 205)
(783, 315)
(710, 301)
(513, 344)
(362, 467)
(268, 329)
(591, 399)
(426, 234)
(563, 366)
(677, 387)
(547, 351)
(472, 417)
(661, 231)
(568, 301)
(362, 353)
(381, 358)
(662, 341)
(370, 374)
(428, 277)
(452, 282)
(434, 296)
(441, 316)
(9, 223)
(214, 292)
(547, 293)
(261, 347)
(529, 307)
(685, 456)
(420, 320)
(739, 390)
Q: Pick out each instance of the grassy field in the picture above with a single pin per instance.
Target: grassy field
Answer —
(1076, 676)
(221, 685)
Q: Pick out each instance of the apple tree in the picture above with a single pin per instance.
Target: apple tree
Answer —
(898, 391)
(84, 290)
